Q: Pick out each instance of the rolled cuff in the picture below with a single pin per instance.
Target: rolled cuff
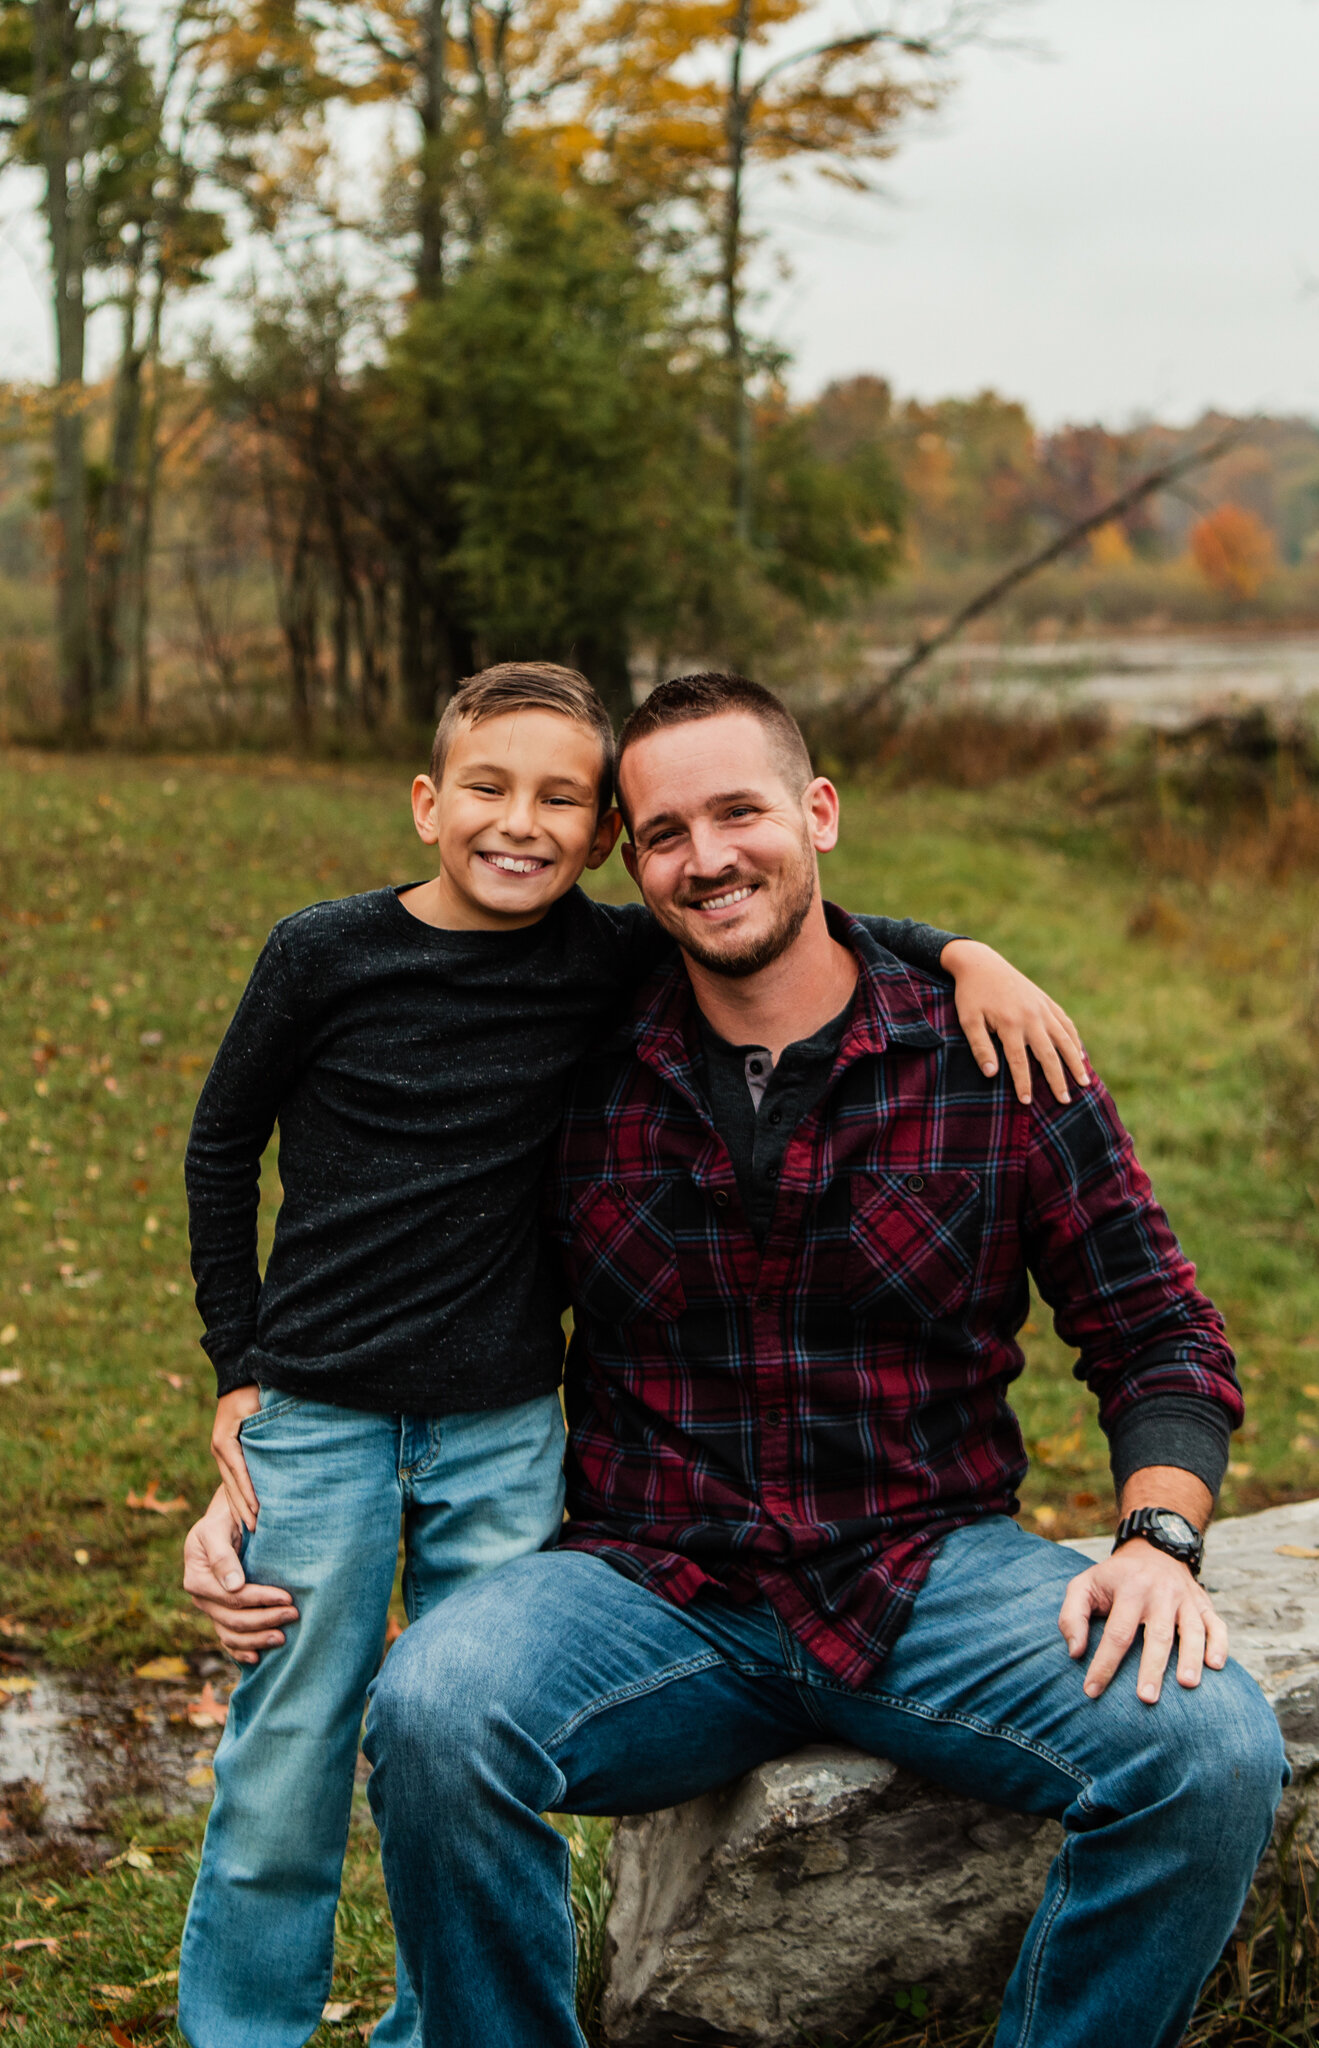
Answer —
(1171, 1429)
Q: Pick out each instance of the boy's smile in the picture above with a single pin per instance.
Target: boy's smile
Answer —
(515, 820)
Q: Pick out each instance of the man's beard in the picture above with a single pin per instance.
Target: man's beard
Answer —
(736, 962)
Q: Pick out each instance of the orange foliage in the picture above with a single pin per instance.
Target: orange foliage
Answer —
(1233, 550)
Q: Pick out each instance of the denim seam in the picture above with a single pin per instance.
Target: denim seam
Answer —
(970, 1721)
(271, 1412)
(638, 1690)
(1063, 1866)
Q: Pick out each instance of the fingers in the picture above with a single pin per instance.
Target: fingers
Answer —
(1160, 1633)
(228, 1454)
(1051, 1067)
(1068, 1040)
(1014, 1049)
(1119, 1634)
(209, 1552)
(1079, 1603)
(1190, 1643)
(1215, 1639)
(980, 1042)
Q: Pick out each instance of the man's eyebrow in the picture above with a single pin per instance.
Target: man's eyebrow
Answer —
(723, 796)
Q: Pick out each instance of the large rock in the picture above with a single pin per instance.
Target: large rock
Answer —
(799, 1899)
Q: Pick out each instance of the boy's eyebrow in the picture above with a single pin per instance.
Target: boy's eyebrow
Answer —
(566, 780)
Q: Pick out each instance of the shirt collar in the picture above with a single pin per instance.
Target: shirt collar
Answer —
(886, 1010)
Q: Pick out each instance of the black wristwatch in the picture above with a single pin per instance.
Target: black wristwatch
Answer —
(1166, 1530)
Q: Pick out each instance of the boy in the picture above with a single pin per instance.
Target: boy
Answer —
(401, 1356)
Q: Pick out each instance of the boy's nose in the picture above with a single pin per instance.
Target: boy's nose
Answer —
(519, 820)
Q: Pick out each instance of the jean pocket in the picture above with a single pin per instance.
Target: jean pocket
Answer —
(273, 1405)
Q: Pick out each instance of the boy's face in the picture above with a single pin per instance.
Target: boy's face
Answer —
(514, 818)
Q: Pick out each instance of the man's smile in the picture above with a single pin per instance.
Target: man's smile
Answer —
(725, 899)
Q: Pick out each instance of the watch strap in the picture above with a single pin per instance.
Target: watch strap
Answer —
(1145, 1523)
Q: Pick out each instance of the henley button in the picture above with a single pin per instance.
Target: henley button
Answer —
(720, 1198)
(771, 1172)
(776, 1116)
(915, 1182)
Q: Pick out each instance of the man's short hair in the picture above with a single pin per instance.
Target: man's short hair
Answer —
(527, 686)
(708, 694)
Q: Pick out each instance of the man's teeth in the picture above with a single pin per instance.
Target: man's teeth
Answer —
(729, 896)
(513, 866)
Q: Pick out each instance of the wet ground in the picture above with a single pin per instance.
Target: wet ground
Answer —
(72, 1747)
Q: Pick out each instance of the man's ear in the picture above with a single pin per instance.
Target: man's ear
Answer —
(821, 806)
(606, 839)
(426, 809)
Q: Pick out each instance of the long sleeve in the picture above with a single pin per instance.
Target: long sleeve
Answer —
(644, 945)
(231, 1128)
(1152, 1348)
(918, 945)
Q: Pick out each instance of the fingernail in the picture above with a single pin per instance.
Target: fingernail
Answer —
(1091, 1691)
(1066, 1095)
(233, 1580)
(987, 1067)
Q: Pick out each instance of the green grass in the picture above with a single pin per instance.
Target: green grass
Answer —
(133, 898)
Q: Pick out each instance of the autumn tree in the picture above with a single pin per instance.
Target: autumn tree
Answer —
(1234, 551)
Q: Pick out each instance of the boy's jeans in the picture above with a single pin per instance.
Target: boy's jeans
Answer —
(558, 1684)
(471, 1491)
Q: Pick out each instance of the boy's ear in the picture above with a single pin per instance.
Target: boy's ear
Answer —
(630, 860)
(606, 838)
(425, 809)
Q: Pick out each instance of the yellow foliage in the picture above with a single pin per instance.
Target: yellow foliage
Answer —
(1109, 546)
(1233, 550)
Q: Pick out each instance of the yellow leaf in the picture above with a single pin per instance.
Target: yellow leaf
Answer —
(151, 1500)
(9, 1686)
(1295, 1550)
(164, 1977)
(1311, 1392)
(338, 2009)
(133, 1857)
(208, 1711)
(203, 1775)
(163, 1668)
(117, 1992)
(9, 1335)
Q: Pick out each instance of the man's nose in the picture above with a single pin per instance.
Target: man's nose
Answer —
(707, 853)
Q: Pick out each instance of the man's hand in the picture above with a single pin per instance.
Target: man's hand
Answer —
(247, 1619)
(231, 1412)
(1141, 1587)
(992, 996)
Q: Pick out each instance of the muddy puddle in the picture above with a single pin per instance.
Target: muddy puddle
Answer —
(75, 1746)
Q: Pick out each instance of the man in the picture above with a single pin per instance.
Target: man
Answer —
(797, 1222)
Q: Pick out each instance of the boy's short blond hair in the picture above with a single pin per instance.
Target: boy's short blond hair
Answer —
(527, 686)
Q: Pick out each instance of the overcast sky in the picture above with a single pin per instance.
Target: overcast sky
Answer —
(1126, 225)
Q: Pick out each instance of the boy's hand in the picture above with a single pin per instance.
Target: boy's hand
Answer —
(231, 1411)
(247, 1619)
(993, 997)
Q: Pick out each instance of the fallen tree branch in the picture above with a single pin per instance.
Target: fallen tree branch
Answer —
(1155, 480)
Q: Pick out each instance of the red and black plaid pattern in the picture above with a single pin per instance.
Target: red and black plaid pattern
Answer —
(808, 1420)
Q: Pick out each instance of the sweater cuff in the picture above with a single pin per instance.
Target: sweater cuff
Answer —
(231, 1367)
(1171, 1429)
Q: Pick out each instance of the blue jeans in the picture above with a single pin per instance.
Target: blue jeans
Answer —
(556, 1684)
(471, 1492)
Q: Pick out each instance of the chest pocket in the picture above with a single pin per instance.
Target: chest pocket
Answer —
(621, 1254)
(913, 1242)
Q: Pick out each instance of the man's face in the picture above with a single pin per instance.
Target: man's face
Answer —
(515, 816)
(723, 848)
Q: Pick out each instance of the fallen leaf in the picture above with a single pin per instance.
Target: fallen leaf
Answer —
(11, 1376)
(119, 1992)
(134, 1857)
(1281, 1549)
(1238, 1469)
(119, 2037)
(11, 1970)
(1310, 1392)
(162, 1977)
(151, 1501)
(163, 1668)
(10, 1627)
(175, 1379)
(82, 1557)
(50, 1942)
(75, 1279)
(47, 1900)
(208, 1711)
(203, 1775)
(9, 1335)
(339, 2009)
(15, 1684)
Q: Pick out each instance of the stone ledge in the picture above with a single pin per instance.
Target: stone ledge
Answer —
(801, 1897)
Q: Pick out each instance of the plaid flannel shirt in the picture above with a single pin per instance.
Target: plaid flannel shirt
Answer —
(808, 1420)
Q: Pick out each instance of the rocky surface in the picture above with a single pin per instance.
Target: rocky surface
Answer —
(800, 1899)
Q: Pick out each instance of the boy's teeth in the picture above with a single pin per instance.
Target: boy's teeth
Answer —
(512, 866)
(729, 896)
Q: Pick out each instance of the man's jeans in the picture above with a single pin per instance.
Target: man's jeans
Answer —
(558, 1684)
(472, 1492)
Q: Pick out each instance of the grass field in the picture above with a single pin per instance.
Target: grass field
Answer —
(133, 898)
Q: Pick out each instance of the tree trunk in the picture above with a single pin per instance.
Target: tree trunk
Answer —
(731, 254)
(432, 106)
(119, 509)
(60, 101)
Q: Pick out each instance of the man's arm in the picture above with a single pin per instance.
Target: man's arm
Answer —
(234, 1119)
(1154, 1351)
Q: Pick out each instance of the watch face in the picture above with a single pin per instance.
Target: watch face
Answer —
(1176, 1528)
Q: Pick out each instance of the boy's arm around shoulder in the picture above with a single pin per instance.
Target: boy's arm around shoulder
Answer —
(232, 1125)
(994, 1000)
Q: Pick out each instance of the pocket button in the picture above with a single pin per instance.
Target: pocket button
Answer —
(915, 1182)
(720, 1198)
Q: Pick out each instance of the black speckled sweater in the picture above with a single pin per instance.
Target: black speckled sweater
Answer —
(416, 1076)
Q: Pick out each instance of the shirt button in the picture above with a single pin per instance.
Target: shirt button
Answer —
(720, 1198)
(774, 1417)
(776, 1116)
(915, 1182)
(771, 1173)
(755, 1066)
